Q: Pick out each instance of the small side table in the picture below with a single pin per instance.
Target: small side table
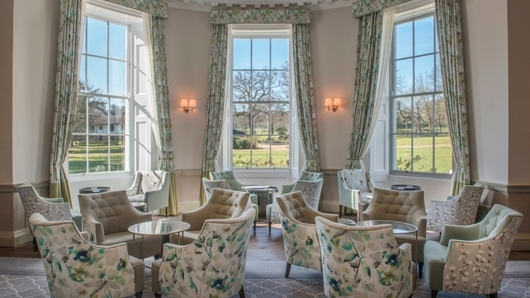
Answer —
(405, 187)
(264, 193)
(94, 189)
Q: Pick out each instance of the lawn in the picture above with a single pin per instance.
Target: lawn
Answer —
(424, 149)
(99, 156)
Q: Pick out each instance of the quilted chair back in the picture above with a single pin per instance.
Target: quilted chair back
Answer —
(310, 190)
(298, 228)
(33, 203)
(229, 176)
(364, 261)
(485, 257)
(459, 210)
(356, 179)
(76, 268)
(110, 209)
(225, 203)
(212, 266)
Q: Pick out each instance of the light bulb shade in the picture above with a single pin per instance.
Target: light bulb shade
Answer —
(328, 102)
(183, 103)
(336, 102)
(193, 104)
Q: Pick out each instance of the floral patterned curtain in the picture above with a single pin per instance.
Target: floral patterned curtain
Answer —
(215, 102)
(152, 7)
(364, 7)
(303, 83)
(161, 119)
(366, 75)
(453, 78)
(260, 16)
(66, 85)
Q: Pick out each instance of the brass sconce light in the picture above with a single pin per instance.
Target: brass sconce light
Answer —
(332, 106)
(188, 107)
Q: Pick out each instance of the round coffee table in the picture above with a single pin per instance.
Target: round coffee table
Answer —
(162, 228)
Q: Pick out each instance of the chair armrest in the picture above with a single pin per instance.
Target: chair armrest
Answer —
(419, 219)
(286, 188)
(310, 214)
(95, 230)
(53, 200)
(195, 218)
(457, 232)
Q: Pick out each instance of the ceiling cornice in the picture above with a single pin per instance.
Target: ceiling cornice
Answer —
(207, 5)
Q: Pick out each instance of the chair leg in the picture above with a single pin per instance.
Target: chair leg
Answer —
(287, 270)
(270, 224)
(434, 293)
(254, 227)
(340, 211)
(35, 247)
(138, 295)
(420, 269)
(158, 295)
(242, 292)
(493, 295)
(166, 212)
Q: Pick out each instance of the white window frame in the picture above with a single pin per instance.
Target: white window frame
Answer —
(262, 175)
(413, 10)
(134, 21)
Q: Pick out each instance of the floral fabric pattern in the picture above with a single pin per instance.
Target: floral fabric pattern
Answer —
(311, 191)
(454, 85)
(212, 266)
(364, 7)
(34, 204)
(470, 265)
(260, 16)
(462, 210)
(154, 7)
(209, 185)
(364, 263)
(75, 268)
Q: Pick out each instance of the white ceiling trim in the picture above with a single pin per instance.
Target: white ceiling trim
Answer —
(207, 5)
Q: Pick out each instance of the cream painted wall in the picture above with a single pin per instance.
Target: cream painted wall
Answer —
(519, 92)
(6, 85)
(35, 25)
(485, 31)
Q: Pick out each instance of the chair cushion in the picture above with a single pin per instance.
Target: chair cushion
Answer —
(151, 180)
(137, 198)
(356, 179)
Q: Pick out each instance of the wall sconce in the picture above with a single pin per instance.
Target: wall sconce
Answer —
(187, 107)
(332, 106)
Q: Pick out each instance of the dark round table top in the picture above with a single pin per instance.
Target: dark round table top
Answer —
(94, 189)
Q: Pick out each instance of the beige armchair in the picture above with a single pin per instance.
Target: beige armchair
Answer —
(107, 218)
(221, 204)
(404, 206)
(77, 268)
(299, 233)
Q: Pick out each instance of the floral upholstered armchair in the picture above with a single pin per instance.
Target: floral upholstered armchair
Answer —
(304, 176)
(355, 189)
(235, 184)
(311, 192)
(151, 188)
(212, 266)
(299, 233)
(76, 268)
(459, 210)
(472, 259)
(364, 261)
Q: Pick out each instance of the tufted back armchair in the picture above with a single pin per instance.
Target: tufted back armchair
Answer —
(459, 210)
(212, 266)
(481, 249)
(404, 206)
(77, 268)
(364, 261)
(298, 229)
(107, 218)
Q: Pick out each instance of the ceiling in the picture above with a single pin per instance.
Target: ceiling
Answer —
(308, 4)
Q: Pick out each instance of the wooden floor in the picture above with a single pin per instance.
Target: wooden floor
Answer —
(262, 247)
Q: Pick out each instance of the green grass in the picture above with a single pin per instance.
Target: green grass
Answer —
(260, 158)
(98, 157)
(423, 148)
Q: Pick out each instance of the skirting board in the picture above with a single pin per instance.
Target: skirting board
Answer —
(15, 239)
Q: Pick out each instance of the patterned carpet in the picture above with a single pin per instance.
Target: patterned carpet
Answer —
(25, 278)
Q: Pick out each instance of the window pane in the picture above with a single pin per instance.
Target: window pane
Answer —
(117, 153)
(77, 154)
(117, 115)
(96, 37)
(242, 86)
(403, 40)
(241, 119)
(424, 36)
(261, 86)
(117, 78)
(241, 55)
(424, 80)
(98, 115)
(439, 84)
(403, 121)
(423, 114)
(280, 120)
(242, 150)
(260, 54)
(280, 154)
(280, 53)
(82, 74)
(422, 155)
(97, 75)
(79, 125)
(261, 157)
(280, 86)
(443, 153)
(440, 114)
(98, 153)
(117, 41)
(260, 119)
(403, 152)
(403, 77)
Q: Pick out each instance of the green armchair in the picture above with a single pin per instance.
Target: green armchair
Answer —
(304, 176)
(229, 176)
(472, 259)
